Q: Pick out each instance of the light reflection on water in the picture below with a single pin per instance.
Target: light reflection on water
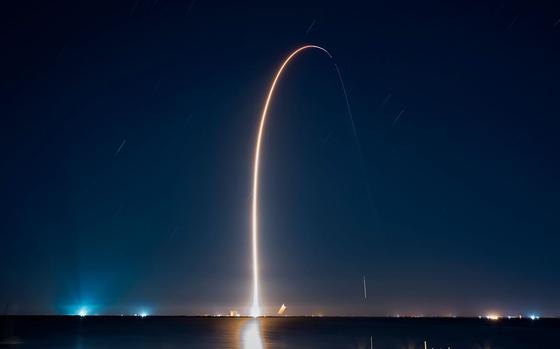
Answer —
(273, 333)
(251, 335)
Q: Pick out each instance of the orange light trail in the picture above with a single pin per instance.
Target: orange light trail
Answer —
(255, 308)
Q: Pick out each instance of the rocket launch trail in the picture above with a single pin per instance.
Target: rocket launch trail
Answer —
(255, 307)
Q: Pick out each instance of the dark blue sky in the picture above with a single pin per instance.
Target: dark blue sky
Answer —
(450, 208)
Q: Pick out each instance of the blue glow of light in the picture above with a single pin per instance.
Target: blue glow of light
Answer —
(534, 317)
(83, 312)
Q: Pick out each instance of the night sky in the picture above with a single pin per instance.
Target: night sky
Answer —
(128, 130)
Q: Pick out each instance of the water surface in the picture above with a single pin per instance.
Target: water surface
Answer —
(275, 333)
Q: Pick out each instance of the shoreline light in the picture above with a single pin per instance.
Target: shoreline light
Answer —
(83, 312)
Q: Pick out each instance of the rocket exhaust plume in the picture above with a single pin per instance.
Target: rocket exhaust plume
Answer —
(255, 307)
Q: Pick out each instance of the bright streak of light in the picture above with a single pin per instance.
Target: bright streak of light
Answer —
(251, 335)
(493, 317)
(143, 314)
(534, 317)
(255, 308)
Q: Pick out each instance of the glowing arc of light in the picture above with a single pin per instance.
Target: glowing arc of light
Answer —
(255, 308)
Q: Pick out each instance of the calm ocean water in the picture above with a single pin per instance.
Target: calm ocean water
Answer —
(275, 333)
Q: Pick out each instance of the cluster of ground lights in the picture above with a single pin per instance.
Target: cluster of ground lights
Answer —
(83, 312)
(496, 317)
